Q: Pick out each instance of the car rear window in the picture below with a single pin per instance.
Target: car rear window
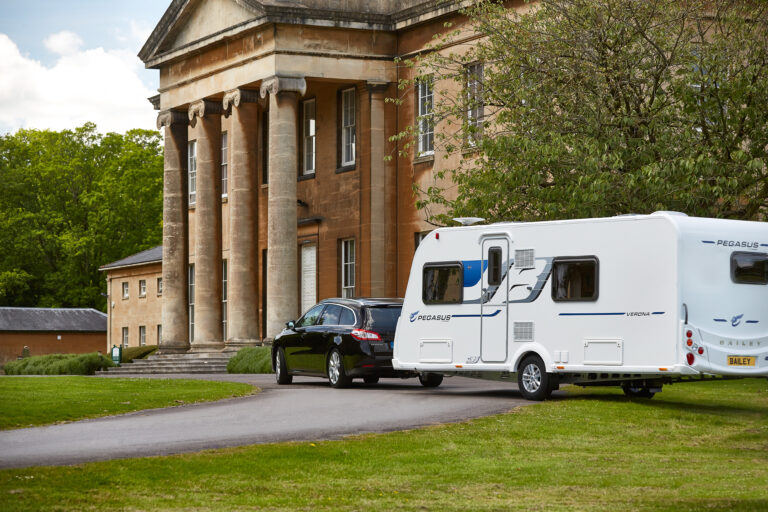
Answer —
(382, 319)
(749, 267)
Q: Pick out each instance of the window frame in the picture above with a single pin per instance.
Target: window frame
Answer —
(191, 301)
(348, 105)
(437, 265)
(576, 259)
(305, 137)
(224, 291)
(142, 287)
(159, 334)
(425, 117)
(224, 165)
(142, 335)
(733, 267)
(344, 264)
(125, 289)
(125, 337)
(495, 273)
(192, 173)
(265, 147)
(159, 286)
(475, 114)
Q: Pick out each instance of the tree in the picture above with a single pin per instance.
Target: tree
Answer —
(70, 202)
(602, 107)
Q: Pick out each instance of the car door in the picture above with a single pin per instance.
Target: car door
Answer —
(319, 337)
(298, 356)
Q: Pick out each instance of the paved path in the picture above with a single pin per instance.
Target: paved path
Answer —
(306, 410)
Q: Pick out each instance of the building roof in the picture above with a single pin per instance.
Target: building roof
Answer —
(52, 319)
(153, 255)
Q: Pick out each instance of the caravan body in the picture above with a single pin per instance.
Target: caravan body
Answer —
(639, 299)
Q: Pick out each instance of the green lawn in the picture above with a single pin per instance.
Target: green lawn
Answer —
(697, 446)
(26, 401)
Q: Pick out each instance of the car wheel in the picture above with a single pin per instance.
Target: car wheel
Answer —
(281, 368)
(637, 391)
(370, 380)
(533, 380)
(336, 374)
(430, 380)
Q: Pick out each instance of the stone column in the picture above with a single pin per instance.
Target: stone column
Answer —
(377, 252)
(175, 305)
(208, 271)
(243, 301)
(282, 264)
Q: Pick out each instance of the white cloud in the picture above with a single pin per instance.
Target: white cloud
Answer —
(84, 85)
(63, 43)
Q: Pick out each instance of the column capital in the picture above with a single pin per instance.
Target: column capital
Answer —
(375, 86)
(277, 84)
(234, 97)
(169, 117)
(202, 108)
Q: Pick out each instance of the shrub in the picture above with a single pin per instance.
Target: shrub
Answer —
(251, 360)
(131, 353)
(59, 364)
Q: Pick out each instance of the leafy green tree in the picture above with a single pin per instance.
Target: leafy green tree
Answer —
(70, 202)
(601, 107)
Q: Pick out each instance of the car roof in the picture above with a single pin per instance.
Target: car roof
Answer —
(365, 301)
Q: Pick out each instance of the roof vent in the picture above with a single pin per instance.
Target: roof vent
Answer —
(468, 221)
(666, 212)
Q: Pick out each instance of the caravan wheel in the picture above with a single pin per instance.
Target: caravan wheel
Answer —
(430, 380)
(533, 379)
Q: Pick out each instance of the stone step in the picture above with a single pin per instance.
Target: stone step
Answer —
(202, 362)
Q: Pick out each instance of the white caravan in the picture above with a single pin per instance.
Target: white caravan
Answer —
(636, 301)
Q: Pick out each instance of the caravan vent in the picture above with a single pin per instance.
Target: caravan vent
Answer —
(524, 258)
(523, 331)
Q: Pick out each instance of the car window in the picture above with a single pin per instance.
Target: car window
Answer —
(347, 317)
(382, 319)
(330, 315)
(311, 316)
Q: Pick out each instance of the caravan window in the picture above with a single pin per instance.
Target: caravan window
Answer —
(575, 279)
(494, 266)
(442, 283)
(749, 267)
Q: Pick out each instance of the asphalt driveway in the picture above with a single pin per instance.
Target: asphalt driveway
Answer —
(306, 410)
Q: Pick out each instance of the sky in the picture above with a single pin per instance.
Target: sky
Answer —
(66, 62)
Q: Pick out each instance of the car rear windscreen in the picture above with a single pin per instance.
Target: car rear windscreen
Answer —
(749, 267)
(382, 320)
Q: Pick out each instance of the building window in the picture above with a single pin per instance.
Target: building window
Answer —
(425, 120)
(125, 290)
(125, 337)
(348, 268)
(224, 161)
(265, 147)
(142, 335)
(475, 103)
(419, 237)
(308, 136)
(191, 303)
(192, 170)
(159, 334)
(442, 283)
(224, 299)
(348, 127)
(575, 279)
(142, 287)
(159, 285)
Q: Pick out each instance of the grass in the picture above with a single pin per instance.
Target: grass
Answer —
(28, 401)
(59, 364)
(251, 360)
(697, 446)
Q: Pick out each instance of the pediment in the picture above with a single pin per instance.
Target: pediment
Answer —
(189, 21)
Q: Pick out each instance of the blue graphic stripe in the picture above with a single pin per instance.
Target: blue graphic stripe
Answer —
(763, 245)
(753, 321)
(720, 320)
(591, 314)
(477, 316)
(708, 241)
(657, 313)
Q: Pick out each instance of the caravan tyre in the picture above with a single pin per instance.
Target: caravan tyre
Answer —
(370, 380)
(430, 380)
(637, 391)
(281, 368)
(337, 376)
(533, 379)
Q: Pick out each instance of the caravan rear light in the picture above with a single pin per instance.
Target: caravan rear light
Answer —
(437, 236)
(701, 350)
(689, 342)
(690, 357)
(363, 335)
(689, 334)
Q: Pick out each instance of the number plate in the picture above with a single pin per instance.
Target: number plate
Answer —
(741, 361)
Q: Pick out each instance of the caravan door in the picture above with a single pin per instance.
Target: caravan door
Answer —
(494, 300)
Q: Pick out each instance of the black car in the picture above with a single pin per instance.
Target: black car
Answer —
(342, 339)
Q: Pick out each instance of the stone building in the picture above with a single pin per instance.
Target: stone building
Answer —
(276, 188)
(134, 299)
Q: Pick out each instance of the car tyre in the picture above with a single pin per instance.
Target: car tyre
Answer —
(533, 380)
(637, 391)
(337, 376)
(430, 380)
(371, 380)
(281, 368)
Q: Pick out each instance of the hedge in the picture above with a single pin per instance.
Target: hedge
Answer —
(59, 364)
(251, 360)
(131, 353)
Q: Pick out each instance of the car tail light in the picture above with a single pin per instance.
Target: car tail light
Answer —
(363, 335)
(690, 357)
